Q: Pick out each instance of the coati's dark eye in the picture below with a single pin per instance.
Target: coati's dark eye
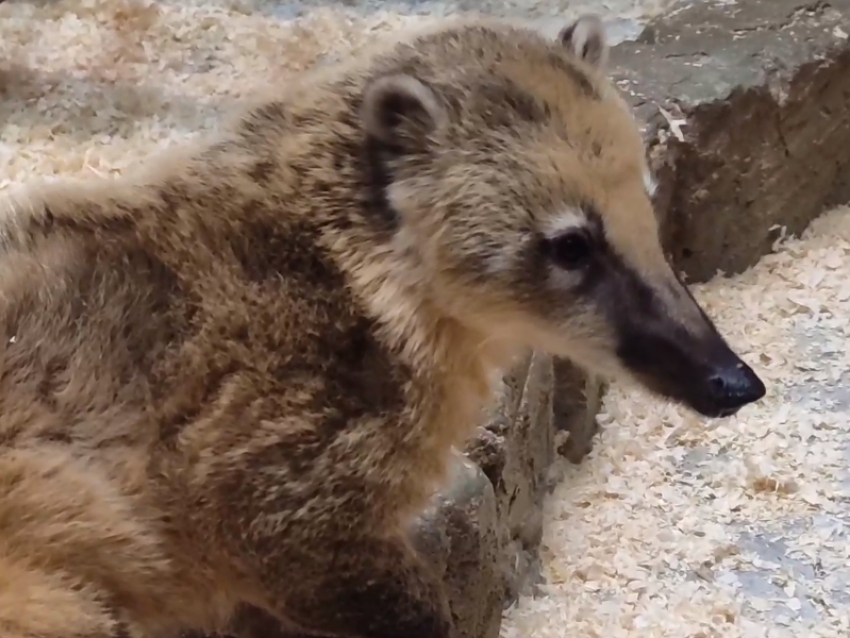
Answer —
(570, 251)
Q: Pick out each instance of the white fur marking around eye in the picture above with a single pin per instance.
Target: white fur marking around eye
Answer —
(649, 183)
(555, 225)
(501, 261)
(569, 219)
(505, 260)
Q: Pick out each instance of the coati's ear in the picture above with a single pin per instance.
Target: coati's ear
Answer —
(587, 40)
(399, 109)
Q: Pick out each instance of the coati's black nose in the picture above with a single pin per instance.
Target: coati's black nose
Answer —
(732, 387)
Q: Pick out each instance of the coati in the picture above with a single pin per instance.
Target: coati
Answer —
(231, 377)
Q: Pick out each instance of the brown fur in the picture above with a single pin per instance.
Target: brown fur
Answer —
(234, 376)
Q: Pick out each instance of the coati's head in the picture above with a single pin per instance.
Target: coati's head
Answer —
(519, 179)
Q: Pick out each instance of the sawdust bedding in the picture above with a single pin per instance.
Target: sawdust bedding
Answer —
(675, 526)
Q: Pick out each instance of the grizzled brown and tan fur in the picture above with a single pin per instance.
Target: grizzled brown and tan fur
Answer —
(231, 378)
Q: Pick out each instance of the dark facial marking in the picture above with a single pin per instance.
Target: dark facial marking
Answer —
(697, 369)
(580, 250)
(570, 250)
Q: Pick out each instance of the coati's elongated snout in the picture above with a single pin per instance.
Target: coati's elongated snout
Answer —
(668, 343)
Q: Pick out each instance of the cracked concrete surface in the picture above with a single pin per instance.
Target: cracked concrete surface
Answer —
(761, 121)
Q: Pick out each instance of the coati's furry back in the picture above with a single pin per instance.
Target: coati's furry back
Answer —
(230, 377)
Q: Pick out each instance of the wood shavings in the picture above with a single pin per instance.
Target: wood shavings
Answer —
(679, 526)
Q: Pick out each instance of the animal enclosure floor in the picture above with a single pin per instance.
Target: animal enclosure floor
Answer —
(681, 527)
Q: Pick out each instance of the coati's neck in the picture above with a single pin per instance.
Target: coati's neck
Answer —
(454, 366)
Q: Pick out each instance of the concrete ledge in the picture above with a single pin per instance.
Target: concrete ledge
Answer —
(460, 535)
(759, 92)
(515, 449)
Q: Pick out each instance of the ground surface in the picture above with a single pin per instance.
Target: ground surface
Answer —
(674, 527)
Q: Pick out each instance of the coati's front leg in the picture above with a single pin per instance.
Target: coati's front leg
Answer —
(250, 621)
(315, 560)
(371, 588)
(376, 589)
(363, 588)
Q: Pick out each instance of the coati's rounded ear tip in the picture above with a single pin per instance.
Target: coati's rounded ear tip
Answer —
(587, 39)
(391, 101)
